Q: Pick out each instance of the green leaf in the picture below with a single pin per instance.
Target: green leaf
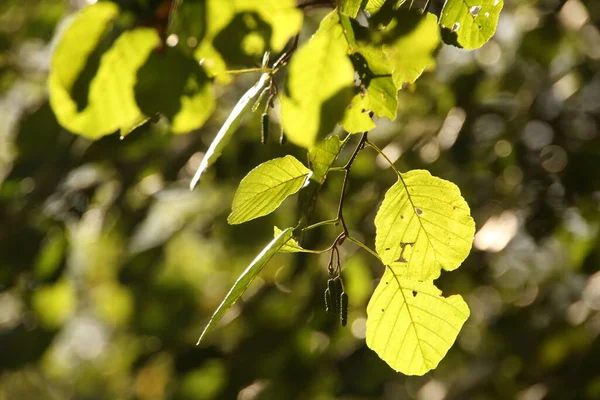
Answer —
(320, 80)
(422, 226)
(412, 52)
(226, 132)
(472, 22)
(282, 16)
(246, 278)
(265, 188)
(323, 155)
(291, 246)
(374, 5)
(377, 91)
(352, 7)
(111, 101)
(410, 325)
(174, 85)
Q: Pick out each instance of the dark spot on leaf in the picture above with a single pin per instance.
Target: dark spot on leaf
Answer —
(387, 248)
(383, 310)
(418, 211)
(402, 217)
(414, 293)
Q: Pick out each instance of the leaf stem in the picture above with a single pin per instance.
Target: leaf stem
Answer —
(363, 246)
(247, 70)
(381, 153)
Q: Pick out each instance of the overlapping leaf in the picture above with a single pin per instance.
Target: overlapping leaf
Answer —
(246, 278)
(282, 16)
(173, 84)
(412, 52)
(422, 226)
(111, 101)
(291, 246)
(352, 7)
(471, 23)
(320, 83)
(410, 325)
(265, 188)
(323, 155)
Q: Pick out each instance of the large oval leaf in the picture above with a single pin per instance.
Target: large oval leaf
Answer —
(111, 101)
(246, 278)
(410, 325)
(473, 22)
(265, 188)
(320, 83)
(422, 226)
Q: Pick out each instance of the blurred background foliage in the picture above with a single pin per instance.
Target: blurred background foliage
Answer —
(110, 266)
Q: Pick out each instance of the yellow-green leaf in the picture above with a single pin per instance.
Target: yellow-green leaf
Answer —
(471, 22)
(412, 53)
(410, 325)
(246, 278)
(422, 226)
(291, 246)
(111, 101)
(265, 188)
(323, 155)
(283, 17)
(320, 83)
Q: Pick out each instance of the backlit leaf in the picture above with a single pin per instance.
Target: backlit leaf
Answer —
(320, 80)
(422, 226)
(323, 155)
(291, 246)
(111, 101)
(412, 52)
(282, 16)
(471, 22)
(229, 127)
(246, 278)
(265, 188)
(410, 325)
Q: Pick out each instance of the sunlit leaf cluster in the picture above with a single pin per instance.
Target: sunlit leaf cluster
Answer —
(345, 76)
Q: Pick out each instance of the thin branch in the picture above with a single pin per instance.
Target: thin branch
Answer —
(359, 147)
(363, 246)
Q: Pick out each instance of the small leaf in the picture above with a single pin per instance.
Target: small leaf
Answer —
(410, 325)
(246, 278)
(320, 83)
(374, 5)
(282, 16)
(352, 7)
(412, 52)
(265, 188)
(422, 226)
(291, 246)
(323, 155)
(229, 127)
(473, 22)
